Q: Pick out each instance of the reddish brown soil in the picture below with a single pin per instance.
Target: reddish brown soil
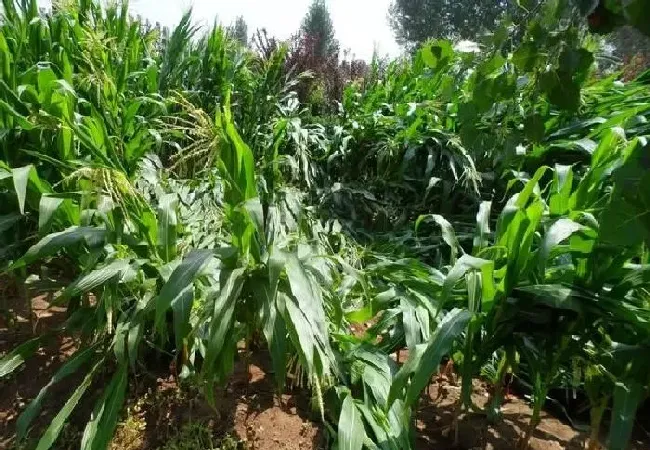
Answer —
(25, 383)
(247, 410)
(435, 420)
(264, 421)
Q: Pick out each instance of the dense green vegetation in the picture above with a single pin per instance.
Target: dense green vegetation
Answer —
(489, 206)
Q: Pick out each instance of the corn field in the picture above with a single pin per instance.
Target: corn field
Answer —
(488, 207)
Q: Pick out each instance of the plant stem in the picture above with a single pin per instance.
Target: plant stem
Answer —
(534, 419)
(25, 297)
(494, 408)
(596, 418)
(456, 422)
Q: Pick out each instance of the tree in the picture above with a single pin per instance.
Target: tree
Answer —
(415, 21)
(317, 31)
(240, 30)
(315, 49)
(633, 47)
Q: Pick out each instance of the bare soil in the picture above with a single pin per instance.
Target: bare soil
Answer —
(248, 411)
(16, 327)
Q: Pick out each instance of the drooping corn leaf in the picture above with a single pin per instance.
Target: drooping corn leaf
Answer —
(351, 433)
(21, 178)
(17, 356)
(306, 314)
(46, 210)
(182, 309)
(68, 368)
(274, 327)
(103, 420)
(94, 279)
(53, 243)
(448, 233)
(60, 419)
(220, 325)
(425, 360)
(462, 266)
(561, 230)
(183, 276)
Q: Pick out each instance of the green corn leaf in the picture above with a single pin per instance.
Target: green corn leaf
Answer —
(378, 429)
(465, 264)
(561, 230)
(25, 180)
(20, 119)
(47, 208)
(274, 327)
(553, 296)
(238, 163)
(21, 179)
(167, 226)
(561, 190)
(17, 357)
(6, 56)
(5, 171)
(59, 420)
(53, 243)
(101, 426)
(425, 360)
(626, 219)
(626, 401)
(8, 220)
(308, 294)
(449, 329)
(448, 233)
(182, 277)
(133, 338)
(220, 326)
(351, 430)
(530, 187)
(360, 315)
(411, 326)
(89, 140)
(94, 279)
(636, 276)
(119, 335)
(399, 424)
(378, 382)
(300, 330)
(520, 261)
(482, 234)
(68, 368)
(45, 79)
(182, 309)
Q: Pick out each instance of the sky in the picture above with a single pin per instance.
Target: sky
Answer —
(360, 25)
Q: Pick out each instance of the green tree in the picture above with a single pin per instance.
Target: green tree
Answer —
(240, 30)
(415, 21)
(317, 31)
